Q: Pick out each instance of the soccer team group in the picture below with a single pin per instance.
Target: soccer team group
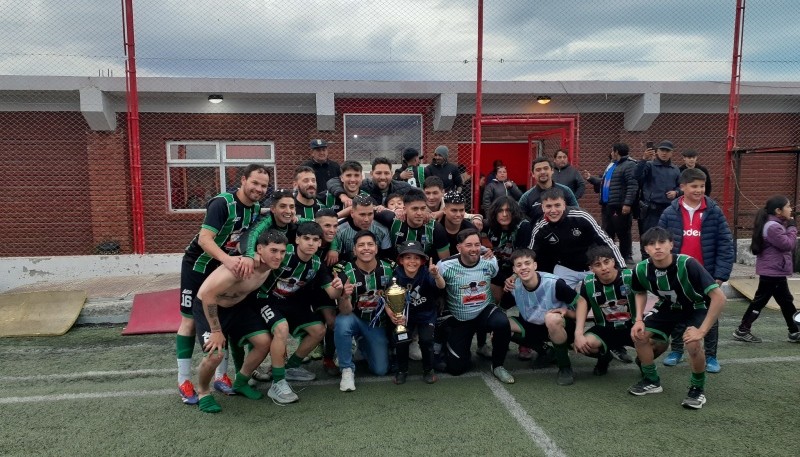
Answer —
(316, 265)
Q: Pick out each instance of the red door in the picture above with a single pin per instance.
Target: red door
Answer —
(515, 156)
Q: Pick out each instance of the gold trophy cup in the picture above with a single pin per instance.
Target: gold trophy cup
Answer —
(396, 301)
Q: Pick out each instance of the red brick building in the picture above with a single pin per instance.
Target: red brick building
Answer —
(65, 179)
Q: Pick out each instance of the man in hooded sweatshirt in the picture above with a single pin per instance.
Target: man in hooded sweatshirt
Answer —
(446, 171)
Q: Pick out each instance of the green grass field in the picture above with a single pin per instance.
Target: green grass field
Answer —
(94, 392)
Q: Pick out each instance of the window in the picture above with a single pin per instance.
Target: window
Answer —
(367, 136)
(197, 171)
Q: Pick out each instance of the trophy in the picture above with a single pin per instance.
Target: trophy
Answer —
(396, 301)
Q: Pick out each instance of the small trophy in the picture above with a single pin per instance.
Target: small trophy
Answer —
(396, 301)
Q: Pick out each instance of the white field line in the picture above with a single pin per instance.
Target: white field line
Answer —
(537, 435)
(297, 385)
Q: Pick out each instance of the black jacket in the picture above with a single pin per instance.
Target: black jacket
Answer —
(571, 178)
(395, 187)
(449, 174)
(324, 171)
(624, 186)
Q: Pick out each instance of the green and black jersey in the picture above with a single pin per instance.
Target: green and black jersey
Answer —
(418, 178)
(328, 200)
(612, 304)
(684, 284)
(432, 235)
(307, 212)
(294, 274)
(227, 217)
(249, 239)
(369, 285)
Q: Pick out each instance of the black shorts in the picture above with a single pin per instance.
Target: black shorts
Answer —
(190, 284)
(612, 337)
(297, 315)
(661, 322)
(534, 335)
(238, 322)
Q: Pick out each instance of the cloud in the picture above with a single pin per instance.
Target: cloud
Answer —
(401, 39)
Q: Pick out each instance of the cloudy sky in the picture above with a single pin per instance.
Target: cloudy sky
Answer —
(403, 39)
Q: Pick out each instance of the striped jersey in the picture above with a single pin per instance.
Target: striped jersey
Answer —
(294, 274)
(611, 304)
(227, 217)
(346, 231)
(369, 286)
(328, 200)
(249, 239)
(418, 178)
(468, 287)
(684, 284)
(550, 293)
(307, 212)
(432, 234)
(504, 242)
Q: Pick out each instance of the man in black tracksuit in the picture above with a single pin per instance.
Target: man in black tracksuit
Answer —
(445, 170)
(562, 237)
(618, 188)
(658, 178)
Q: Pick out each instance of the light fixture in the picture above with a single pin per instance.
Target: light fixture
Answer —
(215, 98)
(543, 99)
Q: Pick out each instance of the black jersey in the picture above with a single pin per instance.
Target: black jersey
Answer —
(369, 286)
(684, 284)
(504, 242)
(294, 274)
(432, 235)
(307, 212)
(452, 238)
(611, 304)
(227, 217)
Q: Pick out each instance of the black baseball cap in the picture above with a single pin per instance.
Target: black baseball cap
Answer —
(411, 247)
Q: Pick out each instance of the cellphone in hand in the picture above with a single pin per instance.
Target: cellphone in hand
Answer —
(649, 145)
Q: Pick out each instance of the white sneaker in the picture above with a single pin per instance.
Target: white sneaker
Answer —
(282, 393)
(299, 374)
(414, 352)
(348, 383)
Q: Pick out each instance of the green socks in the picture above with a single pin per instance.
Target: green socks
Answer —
(561, 351)
(278, 374)
(294, 361)
(649, 372)
(184, 346)
(207, 404)
(698, 380)
(241, 386)
(237, 354)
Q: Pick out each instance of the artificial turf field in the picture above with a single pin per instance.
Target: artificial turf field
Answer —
(94, 392)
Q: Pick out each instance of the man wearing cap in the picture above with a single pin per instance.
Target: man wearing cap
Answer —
(412, 170)
(447, 172)
(658, 179)
(324, 168)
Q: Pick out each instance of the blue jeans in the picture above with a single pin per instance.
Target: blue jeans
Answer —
(373, 343)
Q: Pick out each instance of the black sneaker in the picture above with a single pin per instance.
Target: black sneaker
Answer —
(429, 377)
(621, 354)
(645, 387)
(695, 399)
(544, 358)
(565, 376)
(602, 364)
(439, 363)
(400, 377)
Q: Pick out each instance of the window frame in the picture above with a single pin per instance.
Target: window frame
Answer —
(221, 162)
(395, 160)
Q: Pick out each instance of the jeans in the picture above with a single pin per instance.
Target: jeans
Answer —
(372, 342)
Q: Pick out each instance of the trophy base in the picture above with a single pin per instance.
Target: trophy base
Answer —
(401, 337)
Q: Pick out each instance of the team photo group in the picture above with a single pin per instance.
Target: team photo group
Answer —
(380, 271)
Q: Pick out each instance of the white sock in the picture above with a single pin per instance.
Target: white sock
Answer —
(222, 368)
(184, 370)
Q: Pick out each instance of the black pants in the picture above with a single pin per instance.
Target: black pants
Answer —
(618, 225)
(460, 333)
(425, 332)
(711, 339)
(768, 287)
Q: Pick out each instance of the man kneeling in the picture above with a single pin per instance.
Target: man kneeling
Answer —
(224, 307)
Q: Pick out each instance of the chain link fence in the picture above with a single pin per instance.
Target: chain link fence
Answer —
(370, 78)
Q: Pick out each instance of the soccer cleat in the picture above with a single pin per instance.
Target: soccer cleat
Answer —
(484, 351)
(525, 353)
(621, 354)
(429, 377)
(794, 337)
(503, 375)
(414, 352)
(348, 383)
(188, 394)
(673, 358)
(645, 387)
(695, 399)
(224, 385)
(712, 365)
(330, 367)
(299, 374)
(747, 337)
(262, 375)
(280, 392)
(400, 377)
(565, 376)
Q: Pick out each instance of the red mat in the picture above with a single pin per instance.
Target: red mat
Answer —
(154, 312)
